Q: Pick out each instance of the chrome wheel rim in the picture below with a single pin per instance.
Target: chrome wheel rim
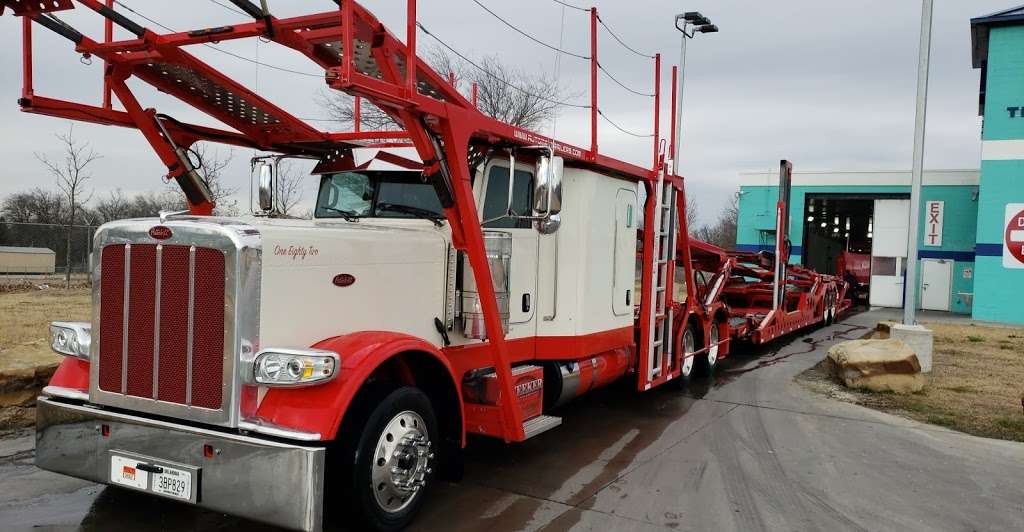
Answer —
(713, 345)
(401, 462)
(688, 350)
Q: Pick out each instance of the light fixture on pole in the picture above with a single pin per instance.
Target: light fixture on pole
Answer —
(689, 24)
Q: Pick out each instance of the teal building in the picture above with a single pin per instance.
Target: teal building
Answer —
(970, 256)
(865, 214)
(998, 50)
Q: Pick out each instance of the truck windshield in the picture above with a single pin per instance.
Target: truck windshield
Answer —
(372, 194)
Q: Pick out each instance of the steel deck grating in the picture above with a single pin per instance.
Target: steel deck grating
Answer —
(213, 93)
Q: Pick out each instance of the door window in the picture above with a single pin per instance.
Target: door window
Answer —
(496, 199)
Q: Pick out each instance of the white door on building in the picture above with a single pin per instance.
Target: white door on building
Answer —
(936, 283)
(889, 252)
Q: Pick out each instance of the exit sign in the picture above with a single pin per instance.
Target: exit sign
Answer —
(933, 223)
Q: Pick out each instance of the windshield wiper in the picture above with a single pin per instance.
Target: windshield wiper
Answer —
(412, 211)
(349, 216)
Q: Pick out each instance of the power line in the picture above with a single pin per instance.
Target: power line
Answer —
(491, 74)
(229, 8)
(221, 50)
(528, 36)
(619, 83)
(623, 43)
(620, 128)
(566, 4)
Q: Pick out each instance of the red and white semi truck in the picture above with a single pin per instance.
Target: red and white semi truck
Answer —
(280, 369)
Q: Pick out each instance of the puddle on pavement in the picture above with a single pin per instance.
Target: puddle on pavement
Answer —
(746, 357)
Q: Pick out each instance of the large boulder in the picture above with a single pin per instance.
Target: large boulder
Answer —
(882, 365)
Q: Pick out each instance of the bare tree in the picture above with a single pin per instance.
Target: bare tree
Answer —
(342, 108)
(513, 96)
(691, 214)
(71, 176)
(117, 206)
(34, 206)
(723, 232)
(289, 188)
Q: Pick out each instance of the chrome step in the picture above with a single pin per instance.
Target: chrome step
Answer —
(540, 424)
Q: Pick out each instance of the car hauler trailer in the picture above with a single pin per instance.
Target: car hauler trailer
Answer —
(276, 368)
(761, 294)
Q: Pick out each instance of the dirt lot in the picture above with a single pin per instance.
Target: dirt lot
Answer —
(26, 361)
(976, 384)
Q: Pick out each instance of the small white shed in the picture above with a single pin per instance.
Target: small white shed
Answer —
(26, 260)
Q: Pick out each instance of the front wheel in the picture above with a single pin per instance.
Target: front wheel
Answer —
(393, 460)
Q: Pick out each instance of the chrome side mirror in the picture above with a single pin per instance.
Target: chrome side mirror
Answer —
(549, 224)
(547, 191)
(266, 187)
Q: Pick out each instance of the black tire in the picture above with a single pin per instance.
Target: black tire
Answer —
(355, 462)
(829, 308)
(704, 363)
(687, 361)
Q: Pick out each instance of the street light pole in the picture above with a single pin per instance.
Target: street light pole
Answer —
(910, 288)
(679, 105)
(693, 23)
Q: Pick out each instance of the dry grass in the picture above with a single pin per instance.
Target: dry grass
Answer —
(24, 315)
(26, 361)
(975, 386)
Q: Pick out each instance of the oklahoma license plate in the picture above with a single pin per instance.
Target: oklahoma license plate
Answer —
(173, 482)
(150, 475)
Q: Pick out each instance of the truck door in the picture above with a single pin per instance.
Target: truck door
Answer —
(525, 239)
(624, 246)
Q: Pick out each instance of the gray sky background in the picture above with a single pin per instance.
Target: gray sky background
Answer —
(829, 85)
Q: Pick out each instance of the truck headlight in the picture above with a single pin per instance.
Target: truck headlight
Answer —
(71, 338)
(294, 367)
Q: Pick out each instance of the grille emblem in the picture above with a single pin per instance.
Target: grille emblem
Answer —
(160, 232)
(343, 279)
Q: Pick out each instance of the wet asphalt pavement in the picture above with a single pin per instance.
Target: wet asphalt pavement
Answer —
(746, 450)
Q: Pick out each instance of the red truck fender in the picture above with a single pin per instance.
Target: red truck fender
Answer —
(72, 373)
(321, 408)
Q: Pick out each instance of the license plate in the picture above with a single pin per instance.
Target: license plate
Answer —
(152, 476)
(173, 482)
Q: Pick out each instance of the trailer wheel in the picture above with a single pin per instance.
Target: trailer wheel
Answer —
(705, 363)
(686, 366)
(394, 455)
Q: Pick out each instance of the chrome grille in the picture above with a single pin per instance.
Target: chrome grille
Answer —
(162, 323)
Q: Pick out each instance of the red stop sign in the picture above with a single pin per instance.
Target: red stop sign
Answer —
(1015, 236)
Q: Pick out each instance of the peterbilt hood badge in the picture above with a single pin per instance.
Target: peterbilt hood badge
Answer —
(160, 232)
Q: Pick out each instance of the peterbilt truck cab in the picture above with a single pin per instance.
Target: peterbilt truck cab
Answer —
(274, 367)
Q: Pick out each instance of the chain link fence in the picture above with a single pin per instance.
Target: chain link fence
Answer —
(53, 237)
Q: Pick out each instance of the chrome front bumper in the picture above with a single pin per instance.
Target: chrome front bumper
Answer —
(260, 479)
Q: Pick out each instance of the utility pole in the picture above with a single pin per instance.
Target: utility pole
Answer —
(910, 286)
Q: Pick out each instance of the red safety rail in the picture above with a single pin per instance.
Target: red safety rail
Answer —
(360, 57)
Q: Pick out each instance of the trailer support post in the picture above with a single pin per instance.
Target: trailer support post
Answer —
(593, 83)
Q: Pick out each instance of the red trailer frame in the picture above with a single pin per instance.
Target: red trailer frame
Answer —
(445, 128)
(755, 297)
(765, 296)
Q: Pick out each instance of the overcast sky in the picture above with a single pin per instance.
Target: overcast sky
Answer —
(829, 85)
